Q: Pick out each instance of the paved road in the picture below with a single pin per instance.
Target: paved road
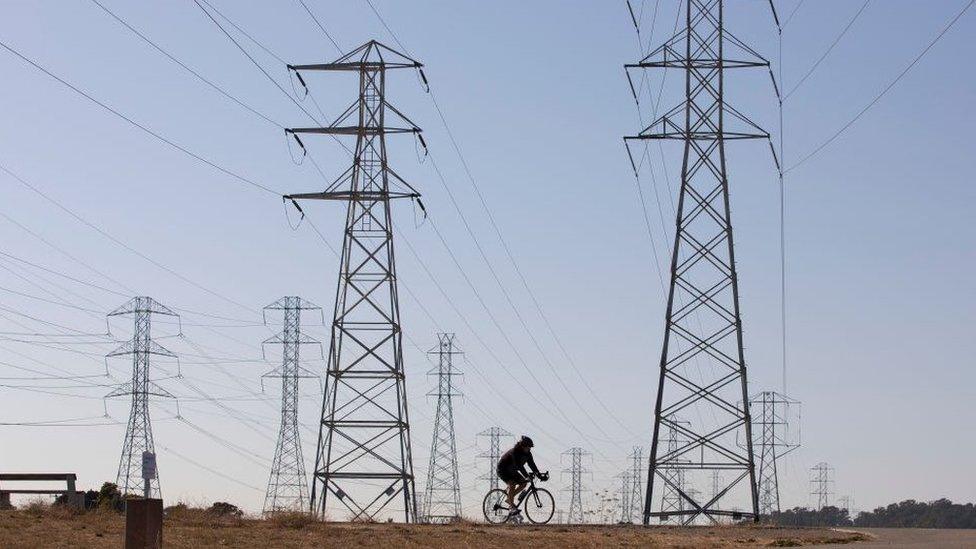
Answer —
(912, 538)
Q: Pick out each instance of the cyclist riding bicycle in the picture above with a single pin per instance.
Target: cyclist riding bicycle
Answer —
(511, 470)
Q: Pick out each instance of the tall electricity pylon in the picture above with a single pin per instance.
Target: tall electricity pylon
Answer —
(847, 504)
(822, 479)
(775, 441)
(626, 490)
(716, 483)
(672, 503)
(442, 495)
(288, 485)
(363, 456)
(138, 433)
(493, 454)
(575, 488)
(703, 367)
(636, 497)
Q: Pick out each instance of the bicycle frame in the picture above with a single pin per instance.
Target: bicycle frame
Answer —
(526, 491)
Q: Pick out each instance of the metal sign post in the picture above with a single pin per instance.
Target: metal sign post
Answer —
(148, 472)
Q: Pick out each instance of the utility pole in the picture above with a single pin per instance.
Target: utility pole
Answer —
(363, 457)
(703, 367)
(442, 497)
(287, 485)
(138, 433)
(775, 441)
(822, 481)
(636, 498)
(492, 454)
(575, 488)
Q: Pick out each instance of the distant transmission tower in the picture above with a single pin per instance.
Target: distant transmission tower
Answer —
(626, 489)
(672, 503)
(363, 455)
(775, 441)
(493, 454)
(822, 483)
(288, 485)
(703, 367)
(636, 498)
(847, 504)
(138, 433)
(575, 489)
(442, 496)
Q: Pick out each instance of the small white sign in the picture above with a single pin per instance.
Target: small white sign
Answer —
(148, 465)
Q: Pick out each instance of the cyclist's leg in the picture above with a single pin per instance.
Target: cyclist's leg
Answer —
(518, 487)
(511, 479)
(510, 492)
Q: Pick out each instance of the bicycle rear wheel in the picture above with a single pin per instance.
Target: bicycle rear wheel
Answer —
(495, 506)
(540, 506)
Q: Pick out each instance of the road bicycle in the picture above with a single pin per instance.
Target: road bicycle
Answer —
(537, 504)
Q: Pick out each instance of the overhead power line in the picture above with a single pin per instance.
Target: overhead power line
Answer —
(886, 89)
(131, 121)
(833, 44)
(509, 254)
(319, 24)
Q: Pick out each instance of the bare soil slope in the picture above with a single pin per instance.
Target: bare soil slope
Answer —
(62, 528)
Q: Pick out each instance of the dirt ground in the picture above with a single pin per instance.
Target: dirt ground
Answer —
(914, 538)
(61, 528)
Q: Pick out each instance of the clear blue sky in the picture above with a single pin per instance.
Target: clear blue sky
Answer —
(880, 229)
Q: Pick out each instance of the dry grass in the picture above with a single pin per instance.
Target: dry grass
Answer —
(42, 526)
(294, 520)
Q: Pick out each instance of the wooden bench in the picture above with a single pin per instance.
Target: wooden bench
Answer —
(72, 496)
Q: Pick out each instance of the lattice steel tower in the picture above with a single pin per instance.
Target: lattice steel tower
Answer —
(703, 368)
(442, 495)
(674, 476)
(626, 486)
(575, 489)
(775, 441)
(363, 455)
(288, 485)
(493, 454)
(822, 479)
(636, 498)
(138, 433)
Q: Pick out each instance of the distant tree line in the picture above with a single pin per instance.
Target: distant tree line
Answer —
(940, 513)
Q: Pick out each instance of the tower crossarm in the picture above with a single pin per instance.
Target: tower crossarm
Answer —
(372, 55)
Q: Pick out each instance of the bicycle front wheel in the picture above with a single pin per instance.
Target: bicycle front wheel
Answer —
(539, 506)
(495, 506)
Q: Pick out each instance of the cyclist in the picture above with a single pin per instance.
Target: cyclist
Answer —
(511, 470)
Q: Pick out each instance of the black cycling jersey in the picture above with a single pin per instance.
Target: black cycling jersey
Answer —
(511, 466)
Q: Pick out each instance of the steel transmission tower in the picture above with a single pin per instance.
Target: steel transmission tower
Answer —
(442, 495)
(703, 368)
(674, 477)
(288, 485)
(716, 484)
(847, 504)
(363, 457)
(822, 480)
(636, 497)
(138, 433)
(493, 453)
(575, 489)
(626, 488)
(775, 441)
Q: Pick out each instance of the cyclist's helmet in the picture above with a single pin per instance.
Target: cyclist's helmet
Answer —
(526, 442)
